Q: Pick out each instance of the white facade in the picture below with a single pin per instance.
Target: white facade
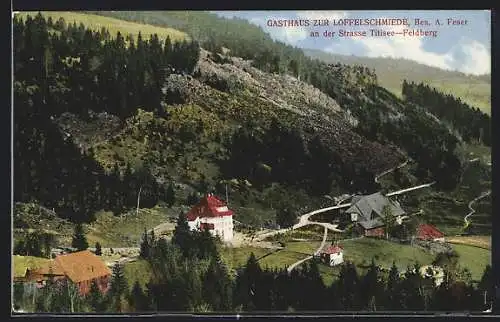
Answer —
(336, 258)
(223, 226)
(195, 224)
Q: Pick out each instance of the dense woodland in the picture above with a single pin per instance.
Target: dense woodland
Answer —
(63, 67)
(55, 72)
(472, 124)
(190, 275)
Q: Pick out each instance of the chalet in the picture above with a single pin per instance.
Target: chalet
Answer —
(367, 212)
(429, 232)
(332, 255)
(213, 214)
(82, 268)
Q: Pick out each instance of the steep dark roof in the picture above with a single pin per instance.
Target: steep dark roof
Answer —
(369, 208)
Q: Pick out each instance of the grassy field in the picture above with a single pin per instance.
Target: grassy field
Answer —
(294, 251)
(476, 241)
(474, 94)
(473, 258)
(96, 22)
(21, 263)
(359, 251)
(127, 230)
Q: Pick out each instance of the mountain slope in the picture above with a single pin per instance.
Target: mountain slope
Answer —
(215, 119)
(474, 90)
(96, 23)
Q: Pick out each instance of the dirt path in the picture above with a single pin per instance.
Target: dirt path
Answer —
(390, 170)
(472, 210)
(297, 263)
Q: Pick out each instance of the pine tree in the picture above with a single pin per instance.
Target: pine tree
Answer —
(182, 235)
(246, 284)
(170, 195)
(98, 249)
(370, 288)
(315, 288)
(389, 220)
(347, 286)
(145, 246)
(95, 299)
(392, 288)
(137, 299)
(217, 287)
(193, 287)
(79, 240)
(118, 287)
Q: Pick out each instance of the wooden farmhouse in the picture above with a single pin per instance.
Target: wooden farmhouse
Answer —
(82, 268)
(367, 212)
(213, 214)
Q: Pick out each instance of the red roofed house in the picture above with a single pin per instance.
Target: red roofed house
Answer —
(82, 268)
(333, 255)
(429, 232)
(213, 214)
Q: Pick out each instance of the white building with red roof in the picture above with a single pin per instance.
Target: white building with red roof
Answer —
(332, 255)
(213, 214)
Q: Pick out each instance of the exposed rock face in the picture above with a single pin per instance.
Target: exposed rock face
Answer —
(98, 127)
(240, 94)
(283, 91)
(285, 96)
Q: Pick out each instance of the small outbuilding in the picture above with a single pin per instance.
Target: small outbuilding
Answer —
(429, 232)
(332, 255)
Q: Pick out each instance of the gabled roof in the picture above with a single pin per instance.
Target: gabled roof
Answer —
(82, 266)
(209, 206)
(373, 223)
(332, 249)
(50, 268)
(366, 206)
(426, 231)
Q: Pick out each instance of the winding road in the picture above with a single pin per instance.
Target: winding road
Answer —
(390, 170)
(304, 219)
(472, 210)
(291, 267)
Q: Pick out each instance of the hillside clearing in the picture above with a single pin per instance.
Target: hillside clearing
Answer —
(127, 230)
(21, 263)
(476, 241)
(473, 258)
(96, 23)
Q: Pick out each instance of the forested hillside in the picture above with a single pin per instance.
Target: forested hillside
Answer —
(55, 68)
(368, 131)
(472, 124)
(473, 90)
(111, 121)
(355, 88)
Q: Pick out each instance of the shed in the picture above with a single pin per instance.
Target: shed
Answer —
(333, 255)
